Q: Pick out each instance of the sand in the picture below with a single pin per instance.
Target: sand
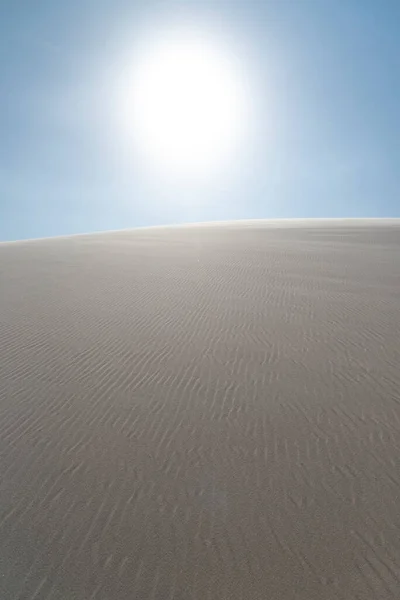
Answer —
(202, 412)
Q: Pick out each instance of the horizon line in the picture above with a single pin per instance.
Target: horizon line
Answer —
(202, 223)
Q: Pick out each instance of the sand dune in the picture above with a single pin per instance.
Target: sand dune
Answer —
(202, 412)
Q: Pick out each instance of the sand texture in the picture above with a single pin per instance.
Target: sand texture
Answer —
(205, 412)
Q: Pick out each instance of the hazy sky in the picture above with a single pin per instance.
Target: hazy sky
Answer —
(324, 80)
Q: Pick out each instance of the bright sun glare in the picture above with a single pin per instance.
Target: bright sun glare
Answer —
(184, 105)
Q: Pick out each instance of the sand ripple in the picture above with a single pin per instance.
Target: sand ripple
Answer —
(204, 412)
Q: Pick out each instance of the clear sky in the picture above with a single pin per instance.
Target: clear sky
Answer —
(323, 77)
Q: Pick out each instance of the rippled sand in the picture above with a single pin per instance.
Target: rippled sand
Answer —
(203, 412)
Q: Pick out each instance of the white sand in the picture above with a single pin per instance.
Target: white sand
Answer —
(205, 412)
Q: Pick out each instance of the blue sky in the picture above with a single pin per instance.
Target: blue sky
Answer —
(332, 68)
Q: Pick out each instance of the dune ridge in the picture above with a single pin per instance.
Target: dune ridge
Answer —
(202, 412)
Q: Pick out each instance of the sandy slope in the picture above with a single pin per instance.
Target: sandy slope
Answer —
(202, 413)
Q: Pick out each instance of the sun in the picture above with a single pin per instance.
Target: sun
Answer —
(184, 105)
